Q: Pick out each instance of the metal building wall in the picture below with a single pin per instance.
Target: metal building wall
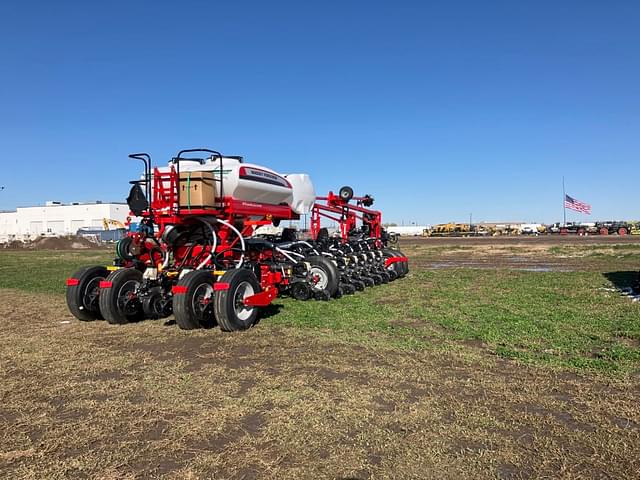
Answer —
(57, 220)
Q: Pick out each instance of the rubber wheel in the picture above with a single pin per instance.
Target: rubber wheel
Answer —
(323, 235)
(368, 281)
(604, 231)
(300, 291)
(194, 308)
(323, 273)
(229, 309)
(401, 268)
(82, 299)
(347, 289)
(346, 193)
(321, 295)
(123, 248)
(405, 264)
(622, 231)
(118, 303)
(152, 307)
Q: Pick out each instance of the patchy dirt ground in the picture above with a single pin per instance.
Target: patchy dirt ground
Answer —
(527, 253)
(529, 240)
(150, 401)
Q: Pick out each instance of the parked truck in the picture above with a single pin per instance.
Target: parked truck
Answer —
(613, 227)
(591, 228)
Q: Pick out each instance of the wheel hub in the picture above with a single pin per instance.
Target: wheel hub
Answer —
(202, 301)
(244, 290)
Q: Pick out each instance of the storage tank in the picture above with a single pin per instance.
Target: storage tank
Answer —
(254, 183)
(302, 191)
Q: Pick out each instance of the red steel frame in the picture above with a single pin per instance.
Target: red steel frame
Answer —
(244, 215)
(346, 214)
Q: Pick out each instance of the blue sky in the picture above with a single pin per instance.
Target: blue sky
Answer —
(438, 109)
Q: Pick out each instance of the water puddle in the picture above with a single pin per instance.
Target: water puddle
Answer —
(543, 268)
(497, 265)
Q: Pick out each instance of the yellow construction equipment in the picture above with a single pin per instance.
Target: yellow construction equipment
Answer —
(110, 221)
(450, 229)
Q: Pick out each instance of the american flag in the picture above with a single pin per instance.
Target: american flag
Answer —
(577, 205)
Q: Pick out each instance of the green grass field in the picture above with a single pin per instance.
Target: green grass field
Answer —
(566, 319)
(45, 271)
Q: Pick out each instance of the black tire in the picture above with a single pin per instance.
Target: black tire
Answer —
(384, 275)
(347, 288)
(368, 281)
(323, 235)
(323, 273)
(82, 298)
(300, 291)
(405, 264)
(321, 295)
(117, 305)
(401, 268)
(231, 314)
(193, 307)
(154, 307)
(123, 248)
(346, 193)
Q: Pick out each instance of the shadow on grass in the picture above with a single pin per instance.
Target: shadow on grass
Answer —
(265, 312)
(270, 310)
(622, 280)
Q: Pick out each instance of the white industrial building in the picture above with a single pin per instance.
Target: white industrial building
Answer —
(57, 219)
(407, 230)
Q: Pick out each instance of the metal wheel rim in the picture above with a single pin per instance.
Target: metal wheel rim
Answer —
(90, 294)
(125, 299)
(151, 305)
(244, 290)
(202, 302)
(319, 278)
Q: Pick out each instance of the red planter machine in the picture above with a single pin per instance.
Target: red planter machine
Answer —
(206, 266)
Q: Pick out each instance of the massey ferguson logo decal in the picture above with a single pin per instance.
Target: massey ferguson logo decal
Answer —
(257, 175)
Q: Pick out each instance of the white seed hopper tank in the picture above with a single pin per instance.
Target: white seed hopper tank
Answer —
(303, 193)
(254, 183)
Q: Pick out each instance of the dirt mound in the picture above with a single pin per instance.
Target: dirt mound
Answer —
(63, 243)
(53, 243)
(13, 245)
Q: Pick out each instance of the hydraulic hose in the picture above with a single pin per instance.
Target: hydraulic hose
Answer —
(288, 254)
(237, 232)
(213, 248)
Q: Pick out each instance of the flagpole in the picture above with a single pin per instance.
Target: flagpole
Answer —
(564, 206)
